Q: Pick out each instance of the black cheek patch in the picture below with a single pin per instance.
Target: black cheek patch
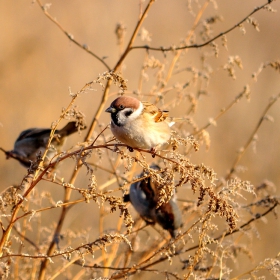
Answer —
(128, 113)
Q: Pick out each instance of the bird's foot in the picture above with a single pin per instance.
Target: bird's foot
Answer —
(153, 152)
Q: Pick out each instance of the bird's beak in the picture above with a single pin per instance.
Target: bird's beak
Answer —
(111, 110)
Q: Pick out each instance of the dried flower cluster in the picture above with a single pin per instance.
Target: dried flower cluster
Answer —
(116, 243)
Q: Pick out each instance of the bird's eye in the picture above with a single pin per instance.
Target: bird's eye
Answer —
(121, 107)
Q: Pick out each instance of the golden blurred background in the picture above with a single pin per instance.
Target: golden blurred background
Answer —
(38, 65)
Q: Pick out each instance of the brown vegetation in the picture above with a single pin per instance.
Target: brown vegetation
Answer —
(67, 219)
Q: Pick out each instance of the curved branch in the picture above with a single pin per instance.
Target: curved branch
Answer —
(251, 138)
(162, 49)
(223, 111)
(133, 270)
(92, 126)
(70, 37)
(129, 46)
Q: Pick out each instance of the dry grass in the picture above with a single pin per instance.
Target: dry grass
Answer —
(67, 220)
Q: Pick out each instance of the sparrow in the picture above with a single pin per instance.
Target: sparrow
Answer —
(140, 124)
(33, 141)
(144, 197)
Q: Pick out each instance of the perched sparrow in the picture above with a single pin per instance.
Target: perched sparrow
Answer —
(34, 140)
(139, 124)
(143, 195)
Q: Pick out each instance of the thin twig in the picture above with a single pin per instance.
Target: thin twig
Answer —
(217, 238)
(251, 138)
(27, 239)
(143, 266)
(223, 111)
(67, 196)
(71, 37)
(258, 268)
(135, 32)
(162, 49)
(190, 34)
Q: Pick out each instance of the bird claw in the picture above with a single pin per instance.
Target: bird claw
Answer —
(153, 152)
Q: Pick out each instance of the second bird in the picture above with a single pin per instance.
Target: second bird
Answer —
(144, 197)
(34, 140)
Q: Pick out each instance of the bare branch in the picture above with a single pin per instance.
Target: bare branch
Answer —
(71, 37)
(194, 46)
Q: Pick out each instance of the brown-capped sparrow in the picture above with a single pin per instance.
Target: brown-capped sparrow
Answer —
(33, 141)
(140, 124)
(144, 197)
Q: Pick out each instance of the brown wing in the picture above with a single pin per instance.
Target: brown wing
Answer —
(148, 187)
(157, 114)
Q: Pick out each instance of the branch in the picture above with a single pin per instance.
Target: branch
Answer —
(88, 136)
(162, 49)
(129, 46)
(224, 110)
(71, 37)
(141, 267)
(27, 239)
(243, 150)
(131, 270)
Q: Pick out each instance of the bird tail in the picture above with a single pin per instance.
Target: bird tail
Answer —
(68, 129)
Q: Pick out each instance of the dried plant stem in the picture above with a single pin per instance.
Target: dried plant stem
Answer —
(223, 235)
(59, 254)
(22, 235)
(101, 167)
(127, 256)
(53, 132)
(99, 110)
(90, 131)
(135, 32)
(114, 172)
(66, 199)
(143, 264)
(101, 230)
(108, 183)
(76, 261)
(249, 141)
(66, 204)
(221, 267)
(161, 49)
(117, 254)
(63, 268)
(79, 274)
(26, 239)
(223, 111)
(176, 57)
(112, 255)
(67, 196)
(147, 262)
(6, 233)
(216, 257)
(69, 36)
(257, 268)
